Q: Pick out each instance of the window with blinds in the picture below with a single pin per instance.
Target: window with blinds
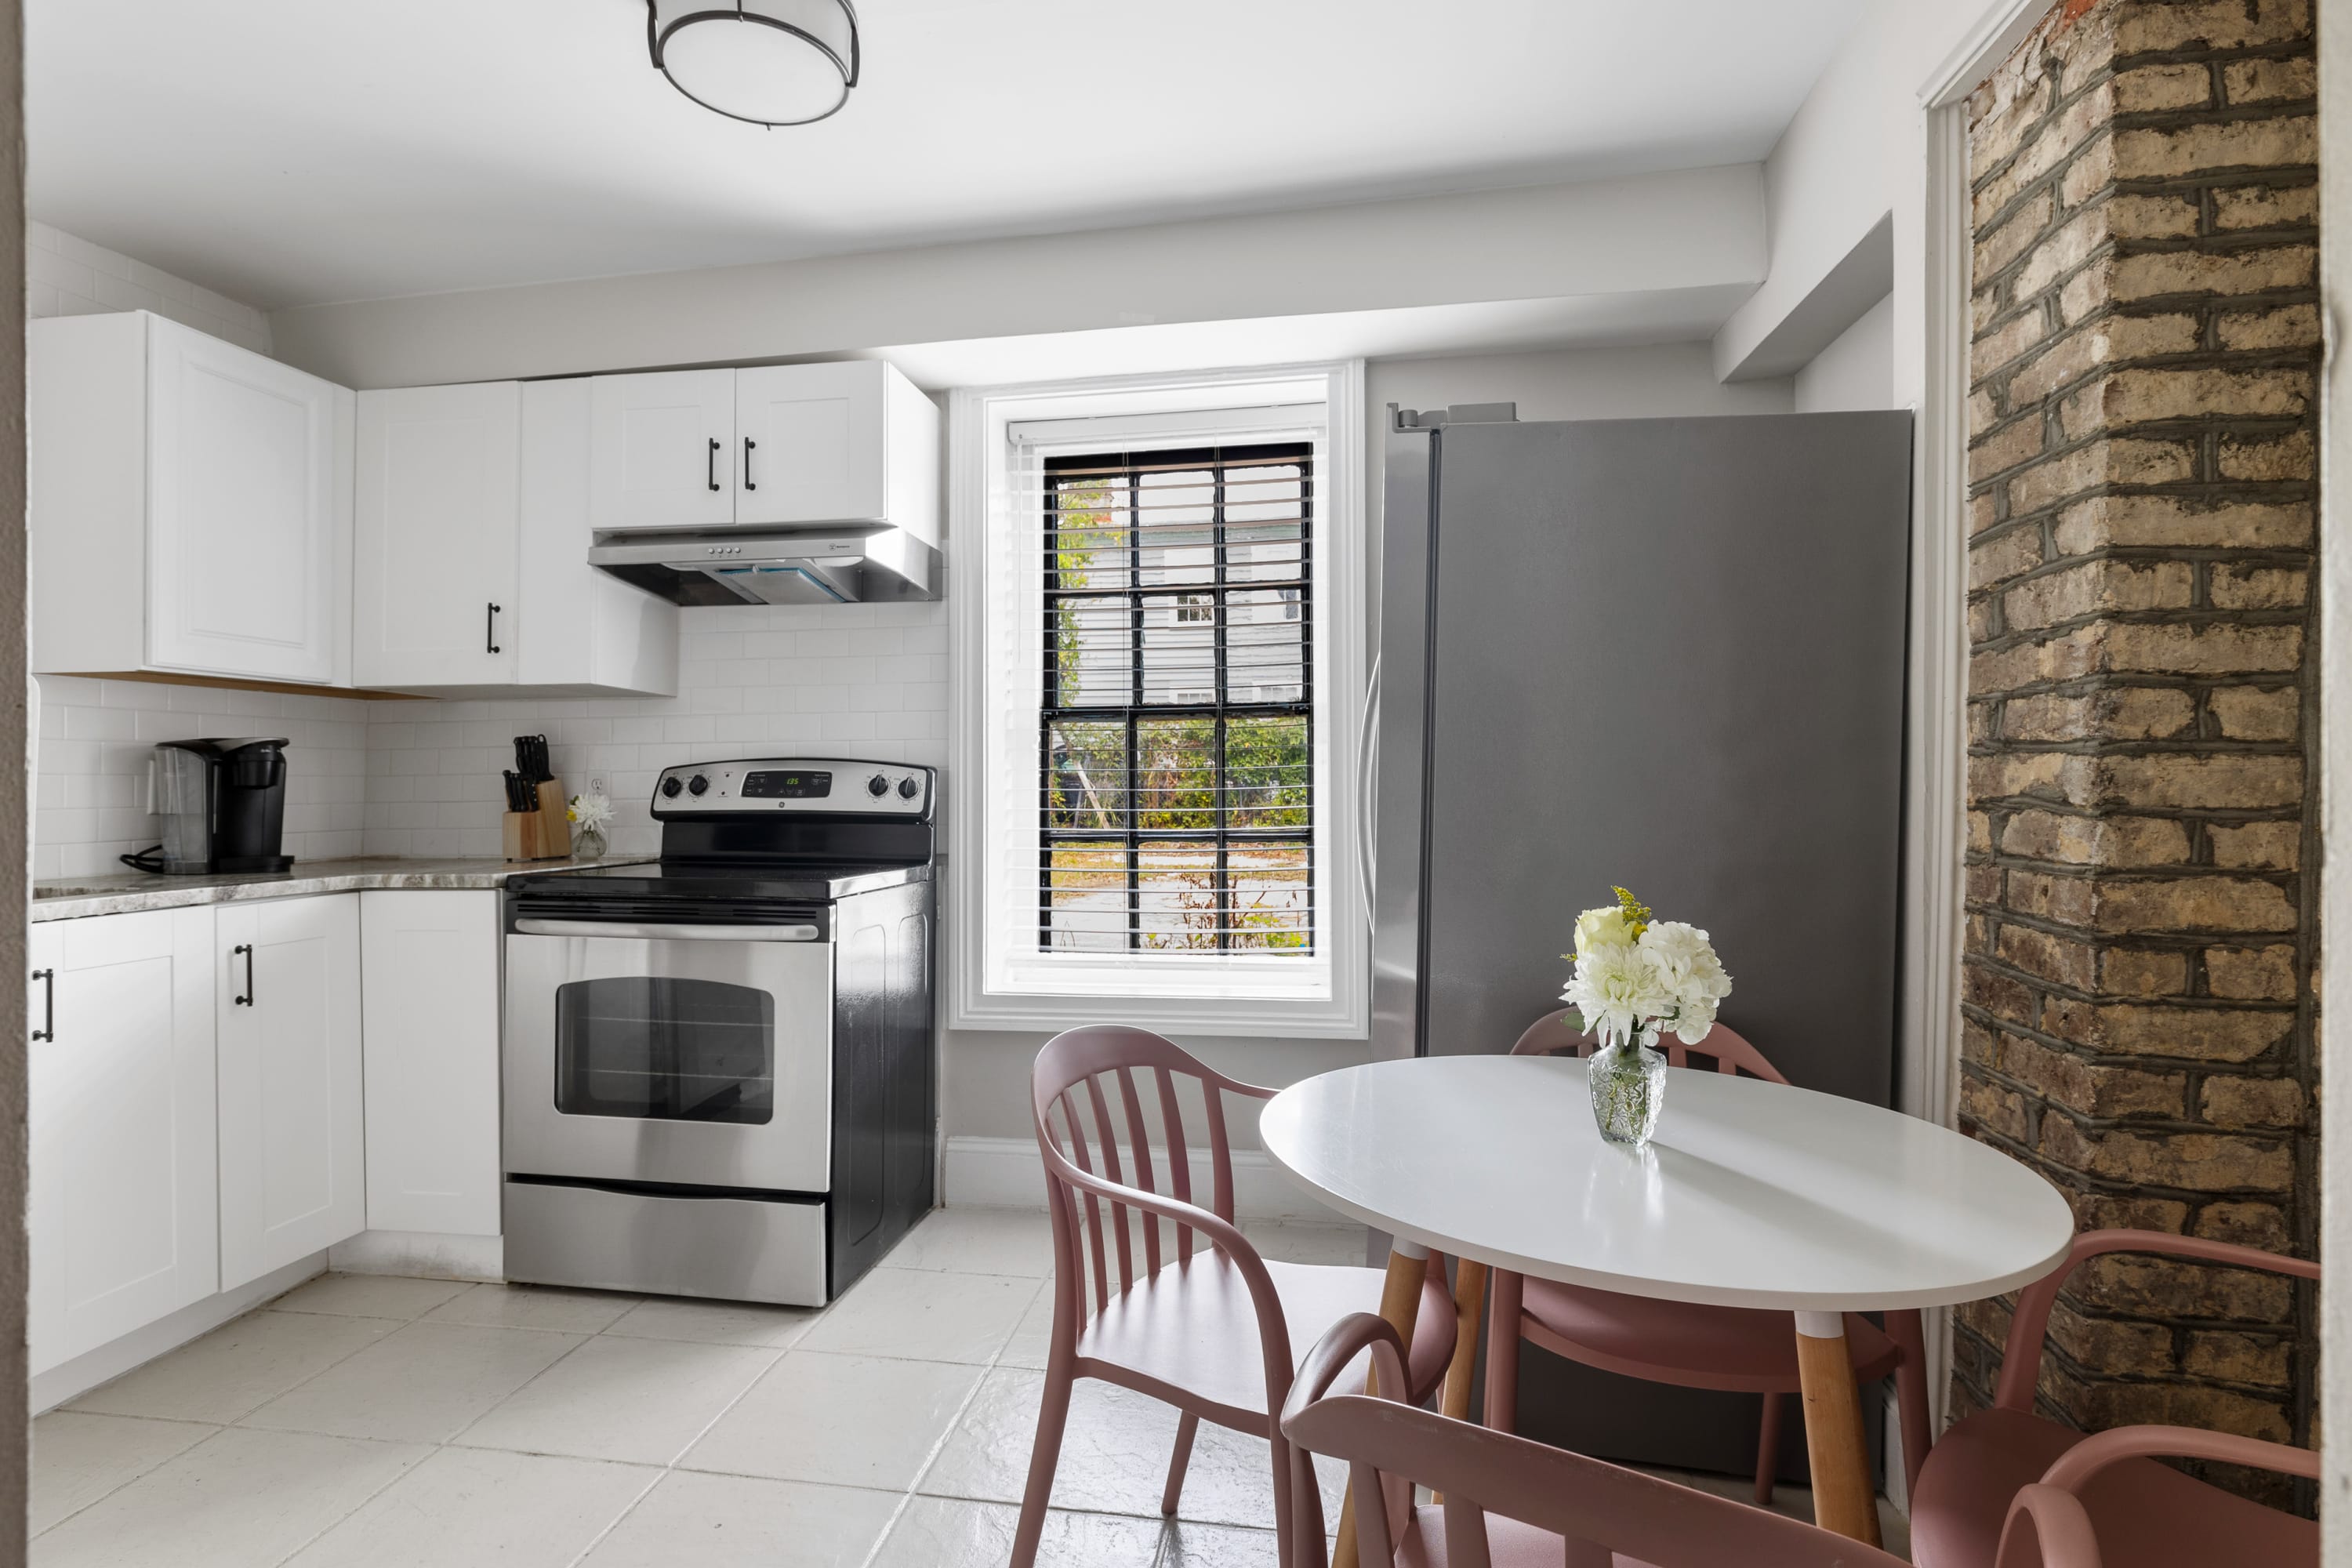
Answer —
(1176, 733)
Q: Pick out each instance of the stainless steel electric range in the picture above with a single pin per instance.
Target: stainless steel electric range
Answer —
(719, 1066)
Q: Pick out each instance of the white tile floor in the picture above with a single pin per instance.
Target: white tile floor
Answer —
(385, 1422)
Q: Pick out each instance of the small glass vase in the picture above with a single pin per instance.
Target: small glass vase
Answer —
(588, 843)
(1627, 1076)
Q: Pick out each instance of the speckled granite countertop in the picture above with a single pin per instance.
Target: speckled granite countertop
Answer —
(124, 892)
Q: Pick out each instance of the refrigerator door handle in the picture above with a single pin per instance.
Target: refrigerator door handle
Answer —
(1368, 785)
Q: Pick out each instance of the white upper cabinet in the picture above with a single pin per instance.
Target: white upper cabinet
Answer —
(122, 1214)
(809, 443)
(663, 447)
(215, 480)
(436, 527)
(850, 441)
(293, 1169)
(473, 537)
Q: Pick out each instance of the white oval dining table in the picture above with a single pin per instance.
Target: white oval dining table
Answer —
(1752, 1195)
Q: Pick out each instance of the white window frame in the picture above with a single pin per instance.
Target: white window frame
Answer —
(997, 977)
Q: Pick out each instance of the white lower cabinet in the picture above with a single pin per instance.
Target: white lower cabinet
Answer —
(212, 1098)
(431, 962)
(123, 1215)
(293, 1140)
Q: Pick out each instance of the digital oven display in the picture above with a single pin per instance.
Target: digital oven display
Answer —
(787, 786)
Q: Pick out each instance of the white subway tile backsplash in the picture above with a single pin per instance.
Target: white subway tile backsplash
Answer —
(67, 276)
(90, 765)
(871, 679)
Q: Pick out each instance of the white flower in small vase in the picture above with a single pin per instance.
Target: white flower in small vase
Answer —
(589, 813)
(1635, 977)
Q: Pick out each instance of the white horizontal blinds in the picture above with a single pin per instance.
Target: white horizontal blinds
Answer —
(1175, 740)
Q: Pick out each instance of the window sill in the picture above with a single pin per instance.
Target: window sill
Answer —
(1303, 1017)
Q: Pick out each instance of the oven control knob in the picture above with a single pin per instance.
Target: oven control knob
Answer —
(670, 787)
(877, 786)
(908, 789)
(696, 784)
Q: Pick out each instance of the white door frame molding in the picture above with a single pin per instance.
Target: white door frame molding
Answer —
(2335, 673)
(1934, 767)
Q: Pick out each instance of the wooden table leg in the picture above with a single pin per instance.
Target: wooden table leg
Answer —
(1844, 1499)
(1469, 1301)
(1400, 1305)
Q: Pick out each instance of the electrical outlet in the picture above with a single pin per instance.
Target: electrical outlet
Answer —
(595, 784)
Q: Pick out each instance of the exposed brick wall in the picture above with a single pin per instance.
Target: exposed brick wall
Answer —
(2137, 1006)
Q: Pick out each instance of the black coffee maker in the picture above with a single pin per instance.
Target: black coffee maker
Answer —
(223, 808)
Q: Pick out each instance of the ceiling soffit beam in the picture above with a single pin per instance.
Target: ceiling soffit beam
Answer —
(1860, 279)
(1700, 228)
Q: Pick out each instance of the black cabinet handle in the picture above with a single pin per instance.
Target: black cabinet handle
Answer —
(748, 445)
(710, 463)
(246, 949)
(490, 629)
(49, 979)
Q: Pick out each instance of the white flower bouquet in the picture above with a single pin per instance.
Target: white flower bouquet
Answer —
(1634, 978)
(590, 812)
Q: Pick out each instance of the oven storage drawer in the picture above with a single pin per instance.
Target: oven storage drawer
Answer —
(735, 1249)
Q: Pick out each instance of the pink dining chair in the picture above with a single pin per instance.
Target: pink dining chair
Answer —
(2005, 1481)
(1735, 1349)
(1204, 1324)
(1512, 1503)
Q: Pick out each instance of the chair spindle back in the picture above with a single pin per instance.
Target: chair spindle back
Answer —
(1089, 1090)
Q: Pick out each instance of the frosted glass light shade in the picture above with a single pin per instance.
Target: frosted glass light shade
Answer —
(770, 62)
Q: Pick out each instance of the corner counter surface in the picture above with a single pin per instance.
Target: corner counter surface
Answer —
(73, 898)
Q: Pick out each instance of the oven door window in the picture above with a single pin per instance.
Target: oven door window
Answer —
(666, 1049)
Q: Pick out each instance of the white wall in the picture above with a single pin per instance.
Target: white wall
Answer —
(1571, 383)
(94, 737)
(1857, 370)
(1855, 152)
(66, 275)
(1643, 238)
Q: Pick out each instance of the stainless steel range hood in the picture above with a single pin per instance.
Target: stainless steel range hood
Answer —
(839, 563)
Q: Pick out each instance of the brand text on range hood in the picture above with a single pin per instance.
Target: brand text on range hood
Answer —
(844, 564)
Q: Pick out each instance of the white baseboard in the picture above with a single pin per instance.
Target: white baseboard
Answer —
(1004, 1173)
(428, 1255)
(71, 1380)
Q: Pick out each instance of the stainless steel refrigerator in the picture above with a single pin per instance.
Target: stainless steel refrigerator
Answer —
(1664, 653)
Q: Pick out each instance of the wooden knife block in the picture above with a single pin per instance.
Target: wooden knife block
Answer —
(542, 835)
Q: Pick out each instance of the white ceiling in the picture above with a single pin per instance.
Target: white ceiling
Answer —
(299, 151)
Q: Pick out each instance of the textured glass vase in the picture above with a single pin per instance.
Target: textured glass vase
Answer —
(588, 843)
(1628, 1080)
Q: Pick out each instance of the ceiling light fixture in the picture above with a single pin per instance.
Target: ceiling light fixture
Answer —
(781, 62)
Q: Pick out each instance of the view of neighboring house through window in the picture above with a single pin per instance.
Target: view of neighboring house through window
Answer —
(1177, 731)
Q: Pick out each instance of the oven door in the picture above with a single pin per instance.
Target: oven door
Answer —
(672, 1054)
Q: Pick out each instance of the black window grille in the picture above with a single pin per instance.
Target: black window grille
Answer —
(1176, 743)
